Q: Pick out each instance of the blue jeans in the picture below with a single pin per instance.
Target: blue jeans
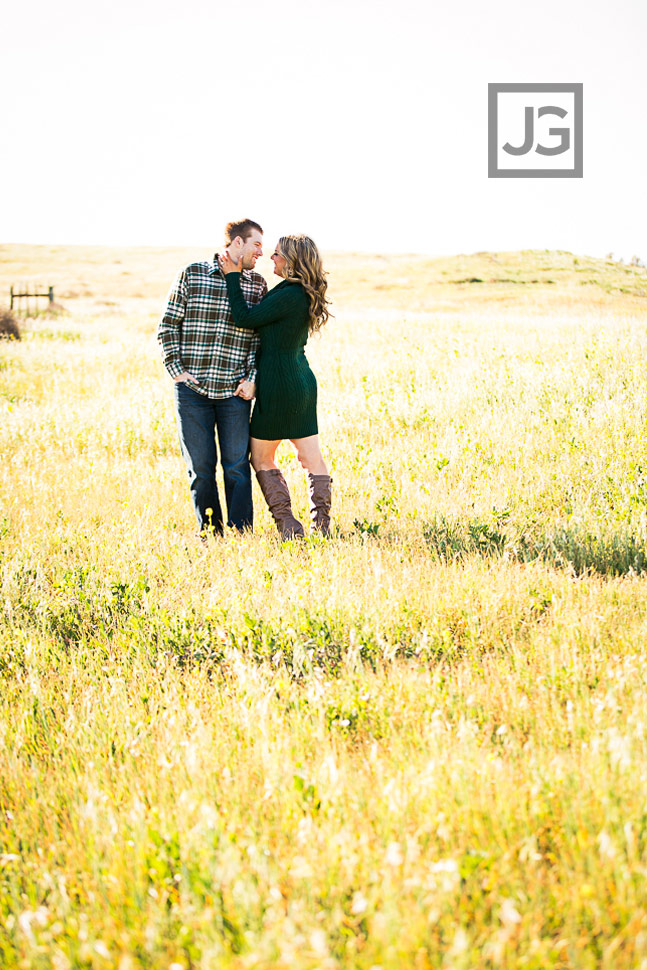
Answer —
(198, 417)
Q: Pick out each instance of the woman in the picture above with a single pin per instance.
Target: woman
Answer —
(286, 390)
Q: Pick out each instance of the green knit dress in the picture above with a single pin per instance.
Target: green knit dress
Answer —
(286, 388)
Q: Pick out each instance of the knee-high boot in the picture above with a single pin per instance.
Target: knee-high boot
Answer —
(320, 499)
(276, 494)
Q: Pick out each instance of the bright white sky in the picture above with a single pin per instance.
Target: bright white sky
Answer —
(363, 124)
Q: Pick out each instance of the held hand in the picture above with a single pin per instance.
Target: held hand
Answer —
(184, 377)
(246, 390)
(227, 265)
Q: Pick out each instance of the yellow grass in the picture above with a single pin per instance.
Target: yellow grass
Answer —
(422, 743)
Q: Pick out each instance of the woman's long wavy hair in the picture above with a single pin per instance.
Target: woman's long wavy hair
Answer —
(303, 265)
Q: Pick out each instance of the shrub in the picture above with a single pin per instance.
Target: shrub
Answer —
(9, 329)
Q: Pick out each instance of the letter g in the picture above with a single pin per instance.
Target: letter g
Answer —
(563, 132)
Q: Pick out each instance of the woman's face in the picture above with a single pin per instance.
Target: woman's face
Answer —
(280, 262)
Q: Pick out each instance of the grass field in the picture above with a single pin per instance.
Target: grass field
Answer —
(420, 744)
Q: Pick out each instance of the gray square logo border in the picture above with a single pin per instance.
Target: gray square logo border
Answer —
(577, 90)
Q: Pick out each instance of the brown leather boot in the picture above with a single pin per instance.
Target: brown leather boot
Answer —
(319, 493)
(275, 491)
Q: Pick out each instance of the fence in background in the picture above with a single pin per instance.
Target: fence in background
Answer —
(24, 298)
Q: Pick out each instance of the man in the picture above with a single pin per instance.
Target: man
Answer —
(213, 364)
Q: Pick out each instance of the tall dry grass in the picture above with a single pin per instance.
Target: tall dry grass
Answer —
(419, 744)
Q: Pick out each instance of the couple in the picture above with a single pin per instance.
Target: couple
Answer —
(226, 340)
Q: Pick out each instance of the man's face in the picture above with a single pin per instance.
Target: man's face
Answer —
(252, 249)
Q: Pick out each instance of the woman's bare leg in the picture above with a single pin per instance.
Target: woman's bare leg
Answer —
(263, 455)
(309, 454)
(274, 487)
(319, 481)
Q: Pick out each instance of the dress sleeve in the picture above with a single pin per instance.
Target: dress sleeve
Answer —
(278, 303)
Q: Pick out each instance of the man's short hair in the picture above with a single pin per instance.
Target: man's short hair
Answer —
(243, 228)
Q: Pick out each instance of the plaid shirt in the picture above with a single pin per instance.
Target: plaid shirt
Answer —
(197, 332)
